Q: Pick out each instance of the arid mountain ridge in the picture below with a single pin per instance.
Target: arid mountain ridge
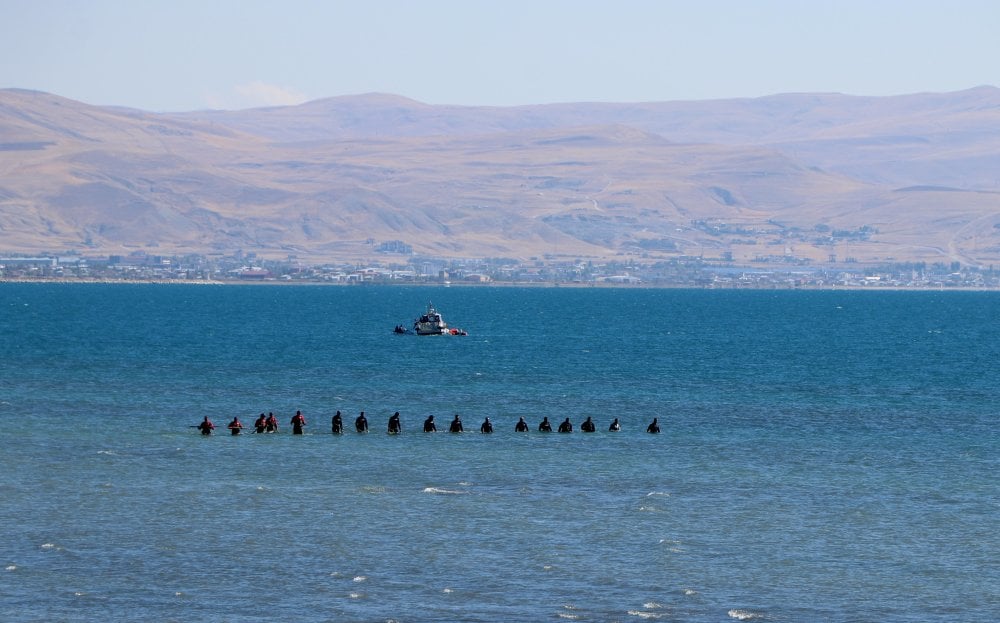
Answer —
(787, 177)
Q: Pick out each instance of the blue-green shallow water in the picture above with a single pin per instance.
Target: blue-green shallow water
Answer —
(825, 456)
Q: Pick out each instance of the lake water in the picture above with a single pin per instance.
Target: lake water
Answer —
(824, 455)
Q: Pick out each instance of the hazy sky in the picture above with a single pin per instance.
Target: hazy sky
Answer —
(178, 55)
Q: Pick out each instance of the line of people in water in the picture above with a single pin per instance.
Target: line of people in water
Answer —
(269, 424)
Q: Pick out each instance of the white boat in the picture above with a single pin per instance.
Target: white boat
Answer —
(430, 323)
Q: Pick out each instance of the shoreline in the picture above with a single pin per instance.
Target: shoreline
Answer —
(526, 284)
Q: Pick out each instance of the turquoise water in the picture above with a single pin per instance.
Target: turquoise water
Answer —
(825, 456)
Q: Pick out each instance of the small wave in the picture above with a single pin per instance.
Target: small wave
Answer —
(642, 614)
(79, 593)
(743, 615)
(10, 568)
(651, 605)
(690, 591)
(354, 595)
(547, 567)
(372, 489)
(657, 494)
(360, 578)
(50, 546)
(443, 491)
(566, 615)
(448, 590)
(107, 452)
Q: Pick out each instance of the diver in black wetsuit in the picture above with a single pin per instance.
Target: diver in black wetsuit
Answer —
(429, 425)
(544, 426)
(487, 427)
(297, 422)
(337, 424)
(566, 426)
(615, 426)
(521, 426)
(588, 426)
(361, 423)
(456, 425)
(653, 427)
(394, 425)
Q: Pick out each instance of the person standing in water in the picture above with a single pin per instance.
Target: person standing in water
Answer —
(544, 426)
(235, 426)
(456, 425)
(429, 425)
(487, 427)
(615, 426)
(521, 426)
(588, 426)
(337, 424)
(260, 424)
(271, 425)
(297, 422)
(653, 427)
(395, 427)
(566, 426)
(206, 427)
(361, 423)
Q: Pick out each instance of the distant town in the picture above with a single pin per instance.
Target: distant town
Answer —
(682, 271)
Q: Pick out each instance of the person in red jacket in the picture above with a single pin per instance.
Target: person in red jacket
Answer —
(206, 427)
(235, 426)
(260, 424)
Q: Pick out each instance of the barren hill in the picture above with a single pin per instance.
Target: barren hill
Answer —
(793, 176)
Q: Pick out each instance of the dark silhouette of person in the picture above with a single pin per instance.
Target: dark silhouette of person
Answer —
(395, 427)
(588, 426)
(544, 426)
(235, 426)
(260, 424)
(615, 426)
(653, 427)
(206, 427)
(337, 424)
(566, 426)
(521, 426)
(429, 425)
(361, 423)
(456, 425)
(297, 422)
(487, 427)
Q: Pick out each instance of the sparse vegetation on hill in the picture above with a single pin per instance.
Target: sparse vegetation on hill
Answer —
(810, 177)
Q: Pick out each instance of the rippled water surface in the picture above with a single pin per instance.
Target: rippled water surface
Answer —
(825, 456)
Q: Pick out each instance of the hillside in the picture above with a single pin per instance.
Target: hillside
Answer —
(790, 176)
